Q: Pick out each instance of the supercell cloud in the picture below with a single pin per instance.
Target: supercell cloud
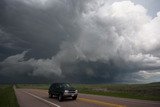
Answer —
(98, 41)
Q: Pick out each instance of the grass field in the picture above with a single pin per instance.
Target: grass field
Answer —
(136, 91)
(7, 96)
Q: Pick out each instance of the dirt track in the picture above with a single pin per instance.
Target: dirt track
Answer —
(39, 98)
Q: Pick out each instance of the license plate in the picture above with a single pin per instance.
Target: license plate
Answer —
(72, 95)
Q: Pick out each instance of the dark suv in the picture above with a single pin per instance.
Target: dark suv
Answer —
(62, 90)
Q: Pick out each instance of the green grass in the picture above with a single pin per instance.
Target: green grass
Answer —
(33, 86)
(135, 91)
(7, 96)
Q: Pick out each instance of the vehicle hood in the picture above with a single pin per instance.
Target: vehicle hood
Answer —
(70, 88)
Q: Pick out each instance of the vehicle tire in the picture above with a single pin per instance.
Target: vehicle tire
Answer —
(60, 97)
(74, 98)
(50, 95)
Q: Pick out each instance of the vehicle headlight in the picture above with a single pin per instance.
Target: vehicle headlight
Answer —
(66, 91)
(76, 91)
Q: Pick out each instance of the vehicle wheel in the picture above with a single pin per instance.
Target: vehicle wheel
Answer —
(50, 95)
(60, 97)
(74, 98)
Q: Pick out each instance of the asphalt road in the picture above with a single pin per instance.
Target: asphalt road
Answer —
(39, 98)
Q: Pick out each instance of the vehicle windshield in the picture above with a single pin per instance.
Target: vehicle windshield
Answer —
(65, 85)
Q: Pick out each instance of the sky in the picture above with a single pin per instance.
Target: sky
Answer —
(79, 41)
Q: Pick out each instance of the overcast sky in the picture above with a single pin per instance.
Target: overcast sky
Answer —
(81, 41)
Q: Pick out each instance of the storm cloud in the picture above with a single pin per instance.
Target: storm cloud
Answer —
(98, 41)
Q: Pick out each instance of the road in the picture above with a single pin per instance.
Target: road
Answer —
(39, 98)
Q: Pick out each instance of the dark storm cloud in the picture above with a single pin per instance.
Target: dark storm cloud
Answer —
(41, 28)
(77, 41)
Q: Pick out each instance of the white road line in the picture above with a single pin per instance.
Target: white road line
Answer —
(42, 99)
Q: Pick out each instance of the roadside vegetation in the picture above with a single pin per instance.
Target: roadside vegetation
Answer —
(33, 86)
(136, 91)
(7, 96)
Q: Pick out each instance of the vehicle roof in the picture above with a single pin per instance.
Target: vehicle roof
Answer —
(60, 83)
